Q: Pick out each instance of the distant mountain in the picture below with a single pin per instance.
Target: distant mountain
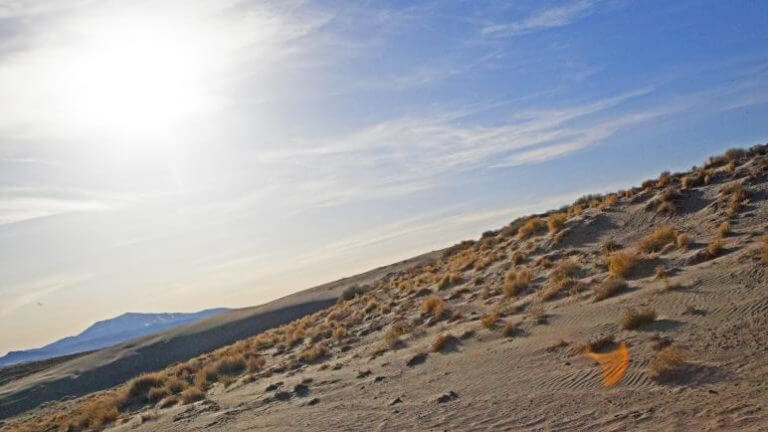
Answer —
(109, 332)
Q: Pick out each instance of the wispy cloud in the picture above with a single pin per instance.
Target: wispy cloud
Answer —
(544, 19)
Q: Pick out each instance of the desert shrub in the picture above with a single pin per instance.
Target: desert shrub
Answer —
(734, 154)
(715, 247)
(682, 241)
(634, 318)
(392, 336)
(661, 273)
(353, 291)
(667, 362)
(138, 388)
(724, 229)
(371, 306)
(489, 319)
(598, 344)
(566, 268)
(554, 287)
(168, 402)
(609, 288)
(510, 328)
(92, 414)
(544, 262)
(340, 332)
(532, 227)
(433, 305)
(514, 282)
(313, 353)
(657, 239)
(620, 263)
(556, 221)
(517, 257)
(191, 394)
(255, 364)
(441, 341)
(175, 385)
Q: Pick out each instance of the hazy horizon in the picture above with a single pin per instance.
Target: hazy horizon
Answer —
(176, 156)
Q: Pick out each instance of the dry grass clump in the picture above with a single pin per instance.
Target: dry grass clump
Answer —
(489, 319)
(682, 241)
(313, 353)
(517, 257)
(433, 305)
(441, 341)
(556, 221)
(609, 288)
(511, 328)
(634, 318)
(667, 362)
(255, 364)
(532, 227)
(724, 229)
(620, 263)
(715, 248)
(566, 269)
(657, 239)
(515, 282)
(371, 306)
(340, 332)
(191, 394)
(462, 261)
(554, 287)
(392, 336)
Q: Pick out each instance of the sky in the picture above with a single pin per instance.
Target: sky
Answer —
(163, 156)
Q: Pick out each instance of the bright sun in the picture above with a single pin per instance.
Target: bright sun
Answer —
(135, 76)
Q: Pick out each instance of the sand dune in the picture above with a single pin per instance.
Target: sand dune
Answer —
(516, 319)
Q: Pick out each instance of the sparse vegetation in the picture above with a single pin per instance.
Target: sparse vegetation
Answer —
(634, 318)
(715, 248)
(433, 305)
(620, 263)
(441, 341)
(510, 328)
(515, 282)
(724, 229)
(489, 320)
(667, 363)
(657, 239)
(682, 241)
(534, 226)
(556, 221)
(609, 288)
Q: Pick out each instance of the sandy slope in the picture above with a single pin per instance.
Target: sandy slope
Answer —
(537, 378)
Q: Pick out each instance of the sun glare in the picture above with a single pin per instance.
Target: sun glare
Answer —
(133, 76)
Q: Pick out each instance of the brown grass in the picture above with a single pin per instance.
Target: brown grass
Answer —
(515, 282)
(433, 305)
(510, 328)
(441, 341)
(517, 257)
(715, 247)
(764, 252)
(313, 353)
(538, 313)
(724, 229)
(657, 239)
(667, 362)
(634, 318)
(556, 221)
(191, 394)
(340, 332)
(534, 226)
(682, 241)
(567, 268)
(620, 263)
(609, 288)
(489, 320)
(554, 287)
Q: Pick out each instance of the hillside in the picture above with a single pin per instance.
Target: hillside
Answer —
(107, 333)
(501, 333)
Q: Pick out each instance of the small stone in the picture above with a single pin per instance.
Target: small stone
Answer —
(447, 397)
(314, 401)
(274, 386)
(301, 389)
(283, 395)
(363, 374)
(395, 401)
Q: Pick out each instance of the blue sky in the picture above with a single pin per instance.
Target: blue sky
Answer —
(172, 156)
